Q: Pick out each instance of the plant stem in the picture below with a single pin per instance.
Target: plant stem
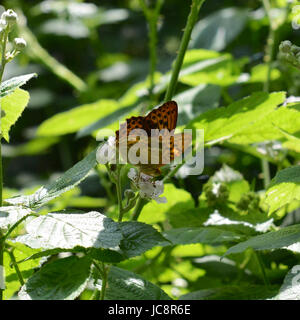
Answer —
(11, 229)
(262, 268)
(138, 208)
(37, 52)
(192, 18)
(15, 264)
(119, 193)
(152, 18)
(268, 59)
(3, 63)
(104, 281)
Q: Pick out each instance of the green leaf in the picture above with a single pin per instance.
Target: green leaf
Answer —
(233, 292)
(11, 214)
(284, 188)
(126, 285)
(217, 30)
(67, 181)
(154, 212)
(286, 118)
(105, 121)
(222, 71)
(63, 279)
(271, 240)
(9, 86)
(76, 118)
(290, 289)
(12, 107)
(225, 123)
(197, 100)
(67, 231)
(139, 237)
(207, 235)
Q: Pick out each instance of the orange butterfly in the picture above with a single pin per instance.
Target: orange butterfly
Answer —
(170, 146)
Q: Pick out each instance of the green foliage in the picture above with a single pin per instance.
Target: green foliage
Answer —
(126, 285)
(225, 123)
(12, 107)
(206, 235)
(63, 279)
(74, 233)
(227, 22)
(75, 119)
(67, 181)
(271, 240)
(284, 188)
(9, 86)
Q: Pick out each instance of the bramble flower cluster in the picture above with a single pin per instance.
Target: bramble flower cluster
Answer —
(148, 188)
(216, 193)
(8, 19)
(290, 53)
(249, 202)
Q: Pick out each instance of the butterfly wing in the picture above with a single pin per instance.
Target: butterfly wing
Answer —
(164, 117)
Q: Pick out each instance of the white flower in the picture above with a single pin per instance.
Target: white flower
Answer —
(148, 188)
(216, 188)
(107, 152)
(291, 99)
(19, 43)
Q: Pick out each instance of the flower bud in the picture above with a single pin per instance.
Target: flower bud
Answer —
(129, 194)
(19, 43)
(295, 49)
(9, 16)
(216, 193)
(285, 46)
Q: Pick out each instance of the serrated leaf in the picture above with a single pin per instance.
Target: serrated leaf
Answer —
(126, 285)
(67, 181)
(284, 188)
(63, 279)
(290, 289)
(67, 231)
(76, 118)
(217, 30)
(268, 241)
(233, 292)
(207, 235)
(139, 237)
(9, 86)
(285, 117)
(12, 107)
(225, 123)
(10, 215)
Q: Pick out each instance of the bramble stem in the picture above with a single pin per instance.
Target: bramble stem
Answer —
(119, 193)
(268, 60)
(38, 53)
(104, 281)
(152, 18)
(3, 63)
(192, 18)
(138, 208)
(15, 264)
(262, 268)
